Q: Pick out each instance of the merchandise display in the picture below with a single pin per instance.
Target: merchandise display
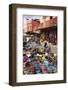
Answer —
(38, 59)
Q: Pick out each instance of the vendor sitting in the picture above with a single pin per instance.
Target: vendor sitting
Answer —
(47, 47)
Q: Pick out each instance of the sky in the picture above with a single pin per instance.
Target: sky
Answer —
(31, 17)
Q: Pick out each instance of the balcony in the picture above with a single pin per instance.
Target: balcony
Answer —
(49, 23)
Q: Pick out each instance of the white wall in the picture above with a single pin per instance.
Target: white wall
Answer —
(4, 44)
